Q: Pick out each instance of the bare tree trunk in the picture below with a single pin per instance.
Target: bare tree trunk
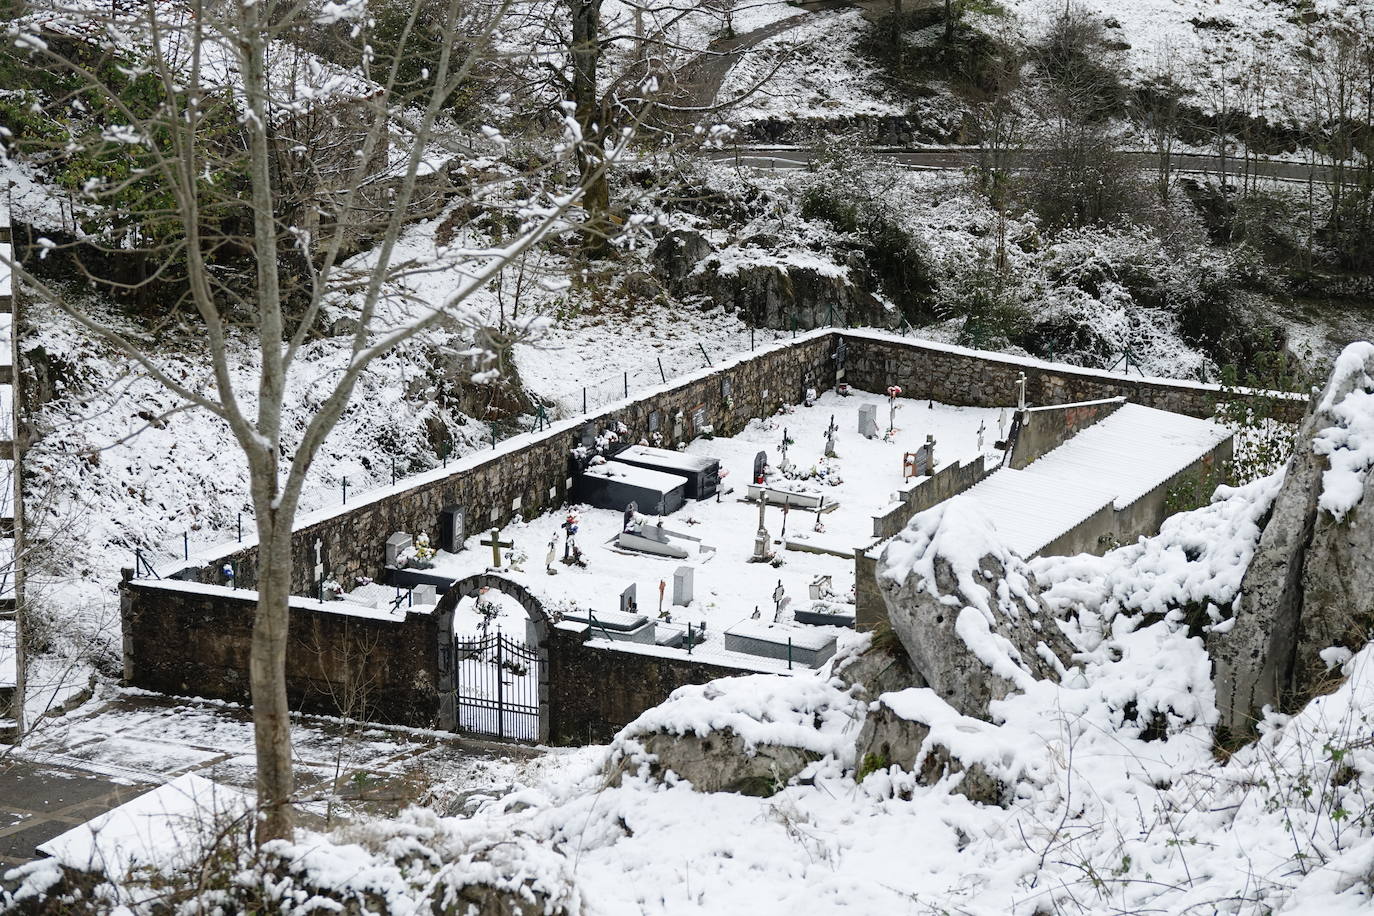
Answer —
(586, 59)
(271, 712)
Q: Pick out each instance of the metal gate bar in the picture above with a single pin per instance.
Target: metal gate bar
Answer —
(496, 688)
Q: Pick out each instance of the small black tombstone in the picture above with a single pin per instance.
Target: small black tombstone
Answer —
(452, 529)
(760, 463)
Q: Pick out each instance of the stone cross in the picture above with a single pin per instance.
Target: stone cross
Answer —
(1002, 424)
(495, 543)
(778, 595)
(982, 430)
(830, 437)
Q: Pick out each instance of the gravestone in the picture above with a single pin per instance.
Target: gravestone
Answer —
(628, 604)
(588, 436)
(425, 594)
(655, 420)
(396, 545)
(452, 528)
(683, 585)
(760, 466)
(868, 421)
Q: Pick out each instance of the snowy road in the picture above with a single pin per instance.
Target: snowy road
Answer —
(943, 158)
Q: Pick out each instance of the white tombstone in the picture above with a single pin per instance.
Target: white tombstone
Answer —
(868, 421)
(425, 594)
(682, 585)
(396, 545)
(820, 587)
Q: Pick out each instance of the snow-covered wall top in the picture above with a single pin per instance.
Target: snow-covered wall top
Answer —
(529, 474)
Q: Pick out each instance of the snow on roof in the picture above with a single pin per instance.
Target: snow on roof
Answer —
(780, 634)
(1112, 463)
(667, 458)
(637, 477)
(171, 826)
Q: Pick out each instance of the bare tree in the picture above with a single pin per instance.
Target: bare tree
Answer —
(206, 165)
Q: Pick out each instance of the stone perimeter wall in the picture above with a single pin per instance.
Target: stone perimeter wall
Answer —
(534, 477)
(353, 541)
(192, 642)
(970, 378)
(598, 691)
(195, 642)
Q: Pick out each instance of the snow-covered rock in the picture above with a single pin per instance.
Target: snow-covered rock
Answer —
(1311, 584)
(917, 731)
(968, 610)
(747, 734)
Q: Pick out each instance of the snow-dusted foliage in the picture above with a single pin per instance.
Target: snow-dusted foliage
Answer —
(1196, 561)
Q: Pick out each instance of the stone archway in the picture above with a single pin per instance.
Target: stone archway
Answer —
(535, 648)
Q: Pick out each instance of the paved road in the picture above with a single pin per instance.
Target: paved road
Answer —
(38, 801)
(112, 750)
(951, 157)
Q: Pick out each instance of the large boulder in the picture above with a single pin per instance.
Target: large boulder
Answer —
(916, 731)
(772, 289)
(1310, 586)
(874, 666)
(967, 610)
(745, 734)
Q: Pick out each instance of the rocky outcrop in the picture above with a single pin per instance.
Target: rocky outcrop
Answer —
(875, 668)
(719, 762)
(917, 732)
(967, 610)
(1310, 586)
(770, 286)
(748, 734)
(772, 291)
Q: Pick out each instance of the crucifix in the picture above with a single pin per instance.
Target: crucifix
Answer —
(785, 466)
(982, 429)
(1002, 424)
(830, 437)
(496, 544)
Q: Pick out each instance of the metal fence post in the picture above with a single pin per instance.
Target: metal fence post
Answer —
(500, 691)
(240, 527)
(627, 384)
(584, 398)
(345, 491)
(186, 545)
(704, 354)
(661, 374)
(789, 653)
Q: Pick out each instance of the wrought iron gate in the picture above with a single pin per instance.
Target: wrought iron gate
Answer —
(497, 686)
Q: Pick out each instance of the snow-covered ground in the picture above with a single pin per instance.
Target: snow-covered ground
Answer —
(728, 587)
(811, 71)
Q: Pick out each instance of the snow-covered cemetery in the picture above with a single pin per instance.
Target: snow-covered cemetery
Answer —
(608, 457)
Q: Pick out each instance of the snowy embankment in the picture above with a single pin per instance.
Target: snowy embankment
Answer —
(1116, 800)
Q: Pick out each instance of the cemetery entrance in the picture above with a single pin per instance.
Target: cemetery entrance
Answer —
(496, 684)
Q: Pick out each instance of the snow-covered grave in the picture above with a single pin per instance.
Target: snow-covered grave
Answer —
(727, 588)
